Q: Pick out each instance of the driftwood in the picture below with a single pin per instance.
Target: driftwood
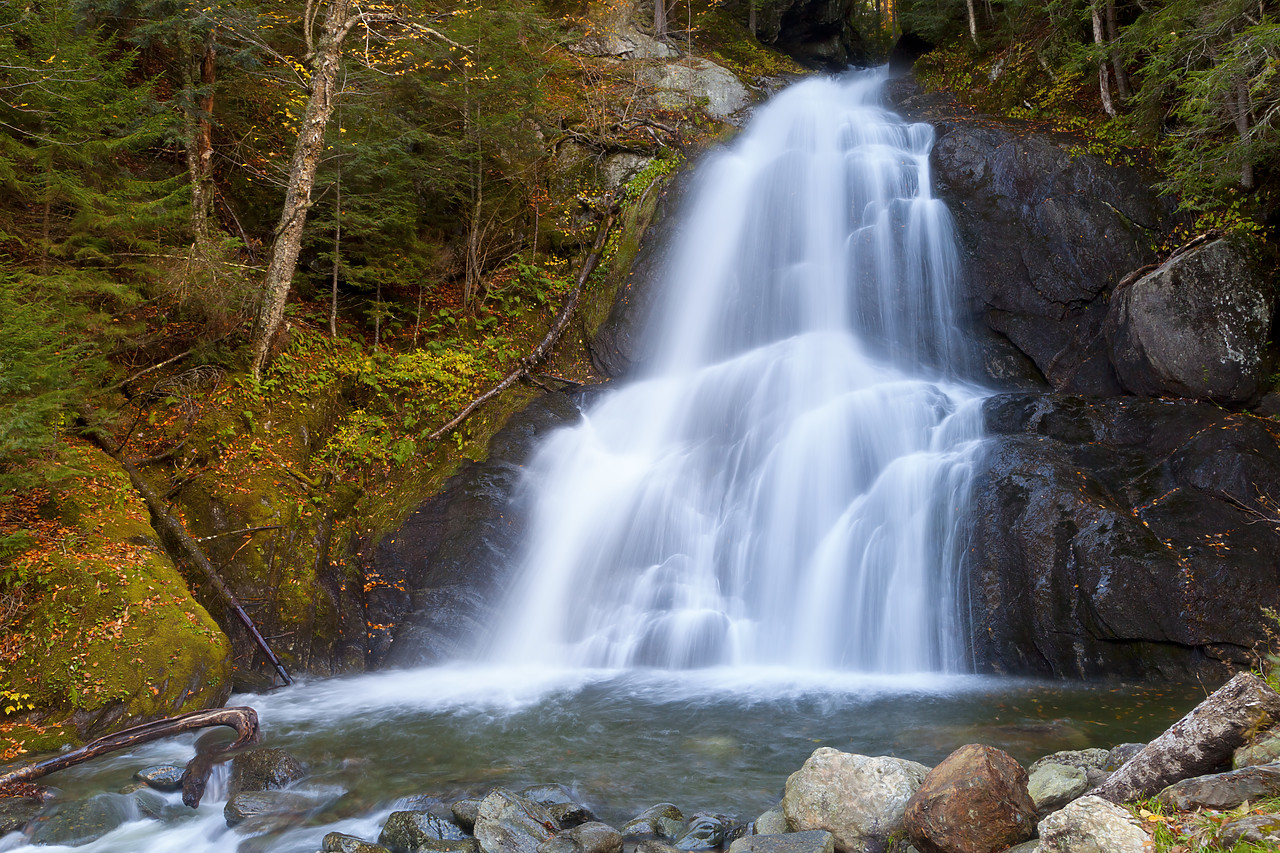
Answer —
(1201, 742)
(169, 525)
(543, 349)
(243, 720)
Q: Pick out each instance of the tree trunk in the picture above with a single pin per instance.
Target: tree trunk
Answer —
(1117, 63)
(1104, 78)
(751, 17)
(1199, 743)
(1241, 111)
(302, 176)
(973, 21)
(659, 19)
(337, 255)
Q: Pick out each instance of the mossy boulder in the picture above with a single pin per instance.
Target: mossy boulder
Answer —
(108, 634)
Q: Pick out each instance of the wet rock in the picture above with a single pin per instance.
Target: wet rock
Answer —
(859, 800)
(696, 83)
(811, 841)
(818, 33)
(1265, 750)
(407, 831)
(339, 842)
(263, 770)
(1052, 786)
(1254, 829)
(1119, 754)
(260, 806)
(590, 837)
(507, 823)
(1081, 758)
(1224, 790)
(548, 795)
(704, 832)
(465, 812)
(161, 777)
(653, 845)
(569, 815)
(1087, 514)
(975, 801)
(772, 822)
(1092, 825)
(78, 822)
(663, 821)
(17, 812)
(1196, 327)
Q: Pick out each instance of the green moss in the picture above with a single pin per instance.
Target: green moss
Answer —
(727, 42)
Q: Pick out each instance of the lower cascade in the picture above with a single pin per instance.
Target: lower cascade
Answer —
(786, 483)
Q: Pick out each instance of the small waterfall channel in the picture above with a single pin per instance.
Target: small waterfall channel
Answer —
(786, 485)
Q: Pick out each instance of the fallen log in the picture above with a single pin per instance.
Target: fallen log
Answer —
(1199, 743)
(244, 720)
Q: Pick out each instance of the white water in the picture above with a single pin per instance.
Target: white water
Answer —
(787, 485)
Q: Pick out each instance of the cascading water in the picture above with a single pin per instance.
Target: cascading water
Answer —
(787, 484)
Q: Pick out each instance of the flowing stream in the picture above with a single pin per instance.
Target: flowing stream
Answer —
(749, 551)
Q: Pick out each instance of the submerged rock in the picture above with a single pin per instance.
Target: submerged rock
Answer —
(1092, 825)
(287, 807)
(263, 770)
(161, 777)
(975, 801)
(858, 799)
(81, 821)
(409, 830)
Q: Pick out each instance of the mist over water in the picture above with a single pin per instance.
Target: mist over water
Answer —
(787, 483)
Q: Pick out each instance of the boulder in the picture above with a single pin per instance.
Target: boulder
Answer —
(812, 841)
(261, 807)
(465, 812)
(1119, 754)
(263, 770)
(1084, 759)
(569, 815)
(772, 822)
(340, 842)
(704, 832)
(17, 812)
(1224, 791)
(585, 838)
(1052, 786)
(507, 823)
(1196, 327)
(406, 831)
(1264, 750)
(1092, 825)
(696, 83)
(1118, 538)
(661, 821)
(161, 777)
(1263, 829)
(75, 823)
(858, 799)
(975, 801)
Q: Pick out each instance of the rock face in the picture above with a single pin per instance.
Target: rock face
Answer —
(1045, 232)
(438, 568)
(859, 800)
(975, 801)
(1092, 825)
(1118, 537)
(690, 82)
(1196, 327)
(818, 33)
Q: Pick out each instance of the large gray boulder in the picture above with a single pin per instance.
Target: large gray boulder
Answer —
(858, 799)
(507, 823)
(1092, 825)
(1052, 786)
(696, 83)
(1195, 327)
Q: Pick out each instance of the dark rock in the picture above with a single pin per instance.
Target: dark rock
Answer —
(1224, 790)
(338, 842)
(1121, 753)
(465, 812)
(975, 801)
(663, 821)
(906, 50)
(584, 838)
(1254, 829)
(569, 815)
(1119, 538)
(507, 823)
(263, 770)
(704, 832)
(1269, 405)
(653, 845)
(813, 841)
(258, 806)
(162, 777)
(1264, 750)
(406, 831)
(75, 823)
(17, 812)
(772, 822)
(1196, 327)
(1095, 777)
(1045, 233)
(817, 33)
(437, 569)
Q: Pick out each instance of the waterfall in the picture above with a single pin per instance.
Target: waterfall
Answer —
(786, 484)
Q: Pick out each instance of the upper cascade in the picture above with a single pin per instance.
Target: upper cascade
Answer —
(787, 485)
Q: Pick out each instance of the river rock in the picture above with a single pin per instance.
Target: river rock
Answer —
(465, 812)
(548, 795)
(507, 823)
(1253, 829)
(1195, 327)
(340, 842)
(1224, 790)
(263, 770)
(662, 821)
(590, 837)
(772, 822)
(811, 841)
(1265, 750)
(704, 832)
(17, 812)
(1092, 825)
(975, 801)
(267, 808)
(569, 815)
(1052, 786)
(858, 799)
(77, 822)
(1084, 759)
(696, 83)
(1118, 538)
(161, 777)
(1119, 754)
(406, 831)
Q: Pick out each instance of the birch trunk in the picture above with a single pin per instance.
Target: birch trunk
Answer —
(1104, 78)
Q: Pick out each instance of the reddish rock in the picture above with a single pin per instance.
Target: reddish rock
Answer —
(975, 801)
